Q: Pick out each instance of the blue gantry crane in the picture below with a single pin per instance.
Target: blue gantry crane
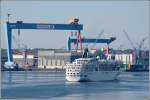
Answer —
(90, 40)
(38, 26)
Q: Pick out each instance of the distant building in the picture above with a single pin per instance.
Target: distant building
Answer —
(22, 61)
(3, 58)
(129, 58)
(125, 58)
(144, 59)
(51, 59)
(19, 58)
(56, 58)
(41, 58)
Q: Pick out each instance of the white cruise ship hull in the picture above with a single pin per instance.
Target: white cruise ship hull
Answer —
(94, 76)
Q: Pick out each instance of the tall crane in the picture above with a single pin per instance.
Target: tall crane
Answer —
(140, 47)
(99, 35)
(9, 27)
(141, 43)
(15, 40)
(25, 51)
(127, 36)
(18, 43)
(137, 50)
(90, 40)
(21, 47)
(131, 43)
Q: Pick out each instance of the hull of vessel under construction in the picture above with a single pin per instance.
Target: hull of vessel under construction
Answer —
(94, 76)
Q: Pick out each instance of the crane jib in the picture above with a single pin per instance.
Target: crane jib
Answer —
(41, 26)
(45, 26)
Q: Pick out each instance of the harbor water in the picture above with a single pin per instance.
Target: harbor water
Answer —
(51, 85)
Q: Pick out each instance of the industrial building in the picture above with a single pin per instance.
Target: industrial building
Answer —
(55, 58)
(3, 58)
(51, 59)
(125, 58)
(41, 58)
(128, 59)
(22, 61)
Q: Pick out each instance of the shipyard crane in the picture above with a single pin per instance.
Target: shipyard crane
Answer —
(137, 50)
(21, 47)
(140, 47)
(90, 40)
(99, 36)
(74, 21)
(9, 27)
(131, 43)
(18, 43)
(15, 41)
(141, 43)
(25, 51)
(127, 36)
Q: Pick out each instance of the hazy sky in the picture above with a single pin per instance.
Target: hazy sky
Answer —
(112, 16)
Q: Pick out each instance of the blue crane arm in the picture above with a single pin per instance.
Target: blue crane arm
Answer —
(93, 40)
(89, 40)
(21, 25)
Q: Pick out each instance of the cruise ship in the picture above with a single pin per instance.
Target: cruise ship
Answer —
(92, 69)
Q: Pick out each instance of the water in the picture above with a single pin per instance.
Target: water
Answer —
(52, 85)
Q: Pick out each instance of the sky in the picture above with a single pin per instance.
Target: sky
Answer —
(110, 16)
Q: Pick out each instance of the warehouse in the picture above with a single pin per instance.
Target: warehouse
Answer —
(52, 59)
